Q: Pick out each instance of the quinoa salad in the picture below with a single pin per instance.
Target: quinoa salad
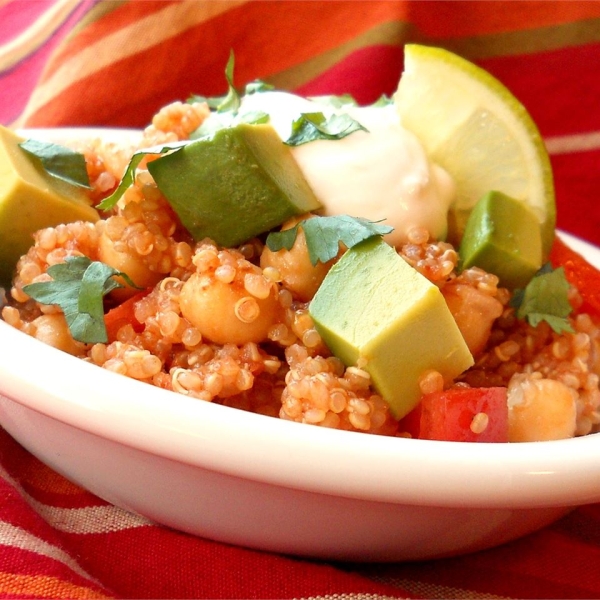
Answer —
(233, 325)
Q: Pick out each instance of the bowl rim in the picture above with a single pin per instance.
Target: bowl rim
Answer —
(282, 453)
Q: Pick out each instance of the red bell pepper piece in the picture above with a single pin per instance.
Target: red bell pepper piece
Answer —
(465, 415)
(122, 315)
(579, 273)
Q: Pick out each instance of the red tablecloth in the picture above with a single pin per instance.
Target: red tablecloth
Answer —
(90, 62)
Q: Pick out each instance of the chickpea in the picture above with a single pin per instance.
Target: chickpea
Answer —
(474, 312)
(129, 263)
(52, 329)
(226, 312)
(297, 273)
(540, 409)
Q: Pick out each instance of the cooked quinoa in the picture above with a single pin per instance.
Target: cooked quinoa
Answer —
(182, 346)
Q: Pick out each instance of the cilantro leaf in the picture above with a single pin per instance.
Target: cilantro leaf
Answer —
(257, 86)
(309, 127)
(218, 121)
(129, 175)
(383, 101)
(60, 162)
(545, 299)
(212, 101)
(334, 101)
(231, 102)
(215, 122)
(324, 234)
(78, 286)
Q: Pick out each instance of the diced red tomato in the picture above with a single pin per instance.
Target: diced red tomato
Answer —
(123, 314)
(580, 273)
(465, 415)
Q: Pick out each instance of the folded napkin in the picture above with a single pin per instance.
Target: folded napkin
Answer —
(59, 541)
(115, 63)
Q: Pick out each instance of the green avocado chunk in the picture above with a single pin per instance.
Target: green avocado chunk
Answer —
(240, 183)
(373, 305)
(502, 237)
(31, 199)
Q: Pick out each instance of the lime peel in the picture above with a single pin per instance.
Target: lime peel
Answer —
(475, 128)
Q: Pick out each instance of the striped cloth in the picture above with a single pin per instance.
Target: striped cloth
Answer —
(114, 63)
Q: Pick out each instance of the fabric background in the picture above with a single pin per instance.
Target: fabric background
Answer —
(115, 63)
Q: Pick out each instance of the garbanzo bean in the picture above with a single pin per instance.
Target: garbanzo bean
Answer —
(474, 312)
(229, 300)
(127, 262)
(296, 271)
(540, 409)
(52, 329)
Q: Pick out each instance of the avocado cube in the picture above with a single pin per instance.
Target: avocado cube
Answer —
(242, 182)
(503, 237)
(373, 305)
(31, 199)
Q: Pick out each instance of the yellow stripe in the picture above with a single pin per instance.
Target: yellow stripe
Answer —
(396, 33)
(390, 33)
(141, 35)
(44, 586)
(36, 35)
(530, 41)
(96, 13)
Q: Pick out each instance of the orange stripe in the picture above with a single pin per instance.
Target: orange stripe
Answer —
(323, 27)
(140, 38)
(43, 586)
(45, 479)
(320, 26)
(337, 22)
(123, 16)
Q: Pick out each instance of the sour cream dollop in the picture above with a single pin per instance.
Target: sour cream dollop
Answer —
(382, 174)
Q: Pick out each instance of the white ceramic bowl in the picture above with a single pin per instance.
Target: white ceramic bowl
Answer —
(280, 486)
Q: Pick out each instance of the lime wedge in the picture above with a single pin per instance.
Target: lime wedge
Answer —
(473, 126)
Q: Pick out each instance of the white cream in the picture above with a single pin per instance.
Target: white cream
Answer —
(382, 174)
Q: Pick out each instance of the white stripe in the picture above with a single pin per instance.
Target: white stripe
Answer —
(567, 144)
(91, 519)
(16, 537)
(36, 34)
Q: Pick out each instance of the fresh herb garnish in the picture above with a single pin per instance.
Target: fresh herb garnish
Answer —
(78, 286)
(383, 101)
(257, 87)
(335, 101)
(219, 121)
(545, 299)
(213, 101)
(129, 175)
(309, 127)
(324, 234)
(232, 101)
(226, 109)
(60, 162)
